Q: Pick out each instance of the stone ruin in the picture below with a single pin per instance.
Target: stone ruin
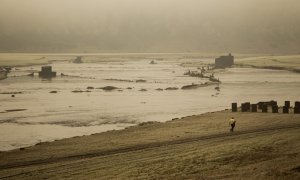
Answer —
(224, 61)
(47, 72)
(78, 60)
(264, 107)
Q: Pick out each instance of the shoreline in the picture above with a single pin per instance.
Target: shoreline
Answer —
(205, 136)
(288, 62)
(294, 70)
(99, 133)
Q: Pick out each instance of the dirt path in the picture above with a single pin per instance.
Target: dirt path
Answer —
(220, 136)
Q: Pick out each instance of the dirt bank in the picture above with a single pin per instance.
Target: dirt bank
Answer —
(289, 62)
(196, 147)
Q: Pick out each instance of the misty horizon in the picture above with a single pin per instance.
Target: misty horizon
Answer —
(269, 26)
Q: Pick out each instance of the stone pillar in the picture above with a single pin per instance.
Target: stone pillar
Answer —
(297, 110)
(273, 103)
(248, 105)
(259, 104)
(234, 107)
(287, 104)
(265, 108)
(253, 107)
(285, 110)
(243, 107)
(297, 107)
(275, 109)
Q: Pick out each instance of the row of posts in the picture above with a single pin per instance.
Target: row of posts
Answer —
(263, 106)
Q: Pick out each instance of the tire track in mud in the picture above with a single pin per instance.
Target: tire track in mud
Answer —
(138, 148)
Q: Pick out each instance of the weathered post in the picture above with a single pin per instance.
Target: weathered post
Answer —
(260, 105)
(273, 103)
(243, 107)
(275, 109)
(253, 107)
(248, 105)
(296, 110)
(234, 107)
(285, 110)
(287, 104)
(265, 108)
(297, 107)
(297, 104)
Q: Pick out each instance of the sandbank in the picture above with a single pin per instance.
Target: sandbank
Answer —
(264, 145)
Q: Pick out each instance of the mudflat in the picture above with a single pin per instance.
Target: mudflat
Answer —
(287, 62)
(263, 145)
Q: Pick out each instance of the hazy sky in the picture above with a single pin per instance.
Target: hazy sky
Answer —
(264, 26)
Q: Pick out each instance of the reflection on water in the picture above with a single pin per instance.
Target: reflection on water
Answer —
(64, 113)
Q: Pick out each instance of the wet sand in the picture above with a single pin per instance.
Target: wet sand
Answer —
(263, 146)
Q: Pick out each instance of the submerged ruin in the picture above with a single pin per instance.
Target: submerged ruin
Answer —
(47, 72)
(3, 74)
(265, 106)
(224, 61)
(4, 71)
(78, 60)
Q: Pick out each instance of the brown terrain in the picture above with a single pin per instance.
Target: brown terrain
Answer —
(263, 146)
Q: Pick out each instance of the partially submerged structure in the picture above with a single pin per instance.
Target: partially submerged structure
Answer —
(224, 61)
(78, 60)
(47, 72)
(153, 62)
(3, 73)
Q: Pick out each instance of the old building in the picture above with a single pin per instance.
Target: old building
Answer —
(47, 72)
(224, 61)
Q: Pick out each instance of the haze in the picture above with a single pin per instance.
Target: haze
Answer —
(247, 26)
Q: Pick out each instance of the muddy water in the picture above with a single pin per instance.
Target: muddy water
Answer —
(48, 116)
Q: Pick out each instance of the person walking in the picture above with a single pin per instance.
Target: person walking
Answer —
(232, 123)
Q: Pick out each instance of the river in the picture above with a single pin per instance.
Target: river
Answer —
(45, 116)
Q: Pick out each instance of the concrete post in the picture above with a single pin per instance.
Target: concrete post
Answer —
(287, 104)
(275, 109)
(265, 108)
(260, 105)
(285, 110)
(234, 107)
(297, 107)
(273, 103)
(243, 107)
(248, 105)
(297, 110)
(253, 107)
